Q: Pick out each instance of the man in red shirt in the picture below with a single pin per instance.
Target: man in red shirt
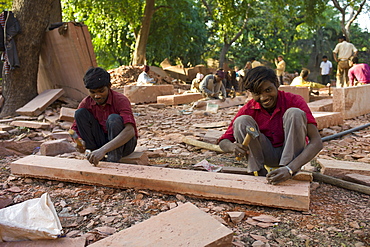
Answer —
(283, 121)
(104, 120)
(359, 73)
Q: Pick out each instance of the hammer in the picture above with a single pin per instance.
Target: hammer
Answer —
(251, 132)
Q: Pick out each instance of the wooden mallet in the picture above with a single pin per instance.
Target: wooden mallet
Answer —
(251, 133)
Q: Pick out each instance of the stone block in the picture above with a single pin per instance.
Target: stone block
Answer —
(358, 178)
(352, 101)
(38, 104)
(212, 136)
(290, 194)
(179, 99)
(146, 94)
(5, 127)
(59, 242)
(185, 225)
(321, 105)
(327, 119)
(31, 124)
(139, 158)
(55, 147)
(339, 168)
(302, 91)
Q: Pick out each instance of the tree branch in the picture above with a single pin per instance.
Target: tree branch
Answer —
(349, 23)
(207, 7)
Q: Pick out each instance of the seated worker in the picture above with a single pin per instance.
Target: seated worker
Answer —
(359, 73)
(211, 86)
(196, 82)
(300, 81)
(104, 120)
(144, 79)
(283, 122)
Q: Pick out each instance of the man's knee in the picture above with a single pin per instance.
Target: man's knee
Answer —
(81, 113)
(243, 120)
(295, 114)
(114, 119)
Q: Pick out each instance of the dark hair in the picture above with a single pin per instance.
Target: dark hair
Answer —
(96, 77)
(256, 76)
(342, 37)
(354, 59)
(252, 59)
(324, 57)
(304, 73)
(220, 73)
(146, 68)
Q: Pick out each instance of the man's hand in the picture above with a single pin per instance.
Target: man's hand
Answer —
(237, 148)
(223, 99)
(279, 175)
(95, 156)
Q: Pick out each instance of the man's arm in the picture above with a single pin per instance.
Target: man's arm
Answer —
(121, 139)
(335, 56)
(232, 147)
(308, 153)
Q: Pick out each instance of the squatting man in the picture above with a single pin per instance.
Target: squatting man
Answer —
(288, 137)
(104, 120)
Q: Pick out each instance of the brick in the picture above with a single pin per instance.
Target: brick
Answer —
(358, 178)
(5, 127)
(31, 124)
(59, 242)
(55, 147)
(302, 91)
(339, 168)
(321, 105)
(234, 188)
(146, 94)
(352, 101)
(38, 104)
(179, 99)
(212, 136)
(139, 158)
(327, 119)
(185, 225)
(67, 114)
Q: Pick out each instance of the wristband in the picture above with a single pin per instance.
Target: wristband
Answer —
(290, 170)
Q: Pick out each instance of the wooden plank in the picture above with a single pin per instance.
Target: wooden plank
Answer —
(185, 225)
(67, 114)
(339, 168)
(59, 242)
(290, 194)
(358, 179)
(31, 124)
(212, 125)
(179, 99)
(37, 105)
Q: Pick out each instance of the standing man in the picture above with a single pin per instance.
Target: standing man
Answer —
(341, 53)
(211, 86)
(283, 121)
(280, 68)
(104, 121)
(325, 70)
(359, 74)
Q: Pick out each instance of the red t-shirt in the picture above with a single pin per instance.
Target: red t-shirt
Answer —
(117, 103)
(271, 125)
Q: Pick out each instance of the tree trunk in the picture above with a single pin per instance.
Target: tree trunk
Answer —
(20, 85)
(142, 38)
(223, 53)
(56, 12)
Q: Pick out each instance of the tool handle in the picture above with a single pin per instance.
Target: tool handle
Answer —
(246, 141)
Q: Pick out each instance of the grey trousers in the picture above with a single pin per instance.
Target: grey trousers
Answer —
(261, 151)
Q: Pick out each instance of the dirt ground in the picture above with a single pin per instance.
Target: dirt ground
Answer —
(337, 217)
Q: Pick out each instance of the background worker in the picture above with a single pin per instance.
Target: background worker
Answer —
(144, 78)
(359, 73)
(283, 121)
(196, 82)
(325, 70)
(280, 68)
(104, 120)
(301, 81)
(255, 63)
(212, 86)
(342, 52)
